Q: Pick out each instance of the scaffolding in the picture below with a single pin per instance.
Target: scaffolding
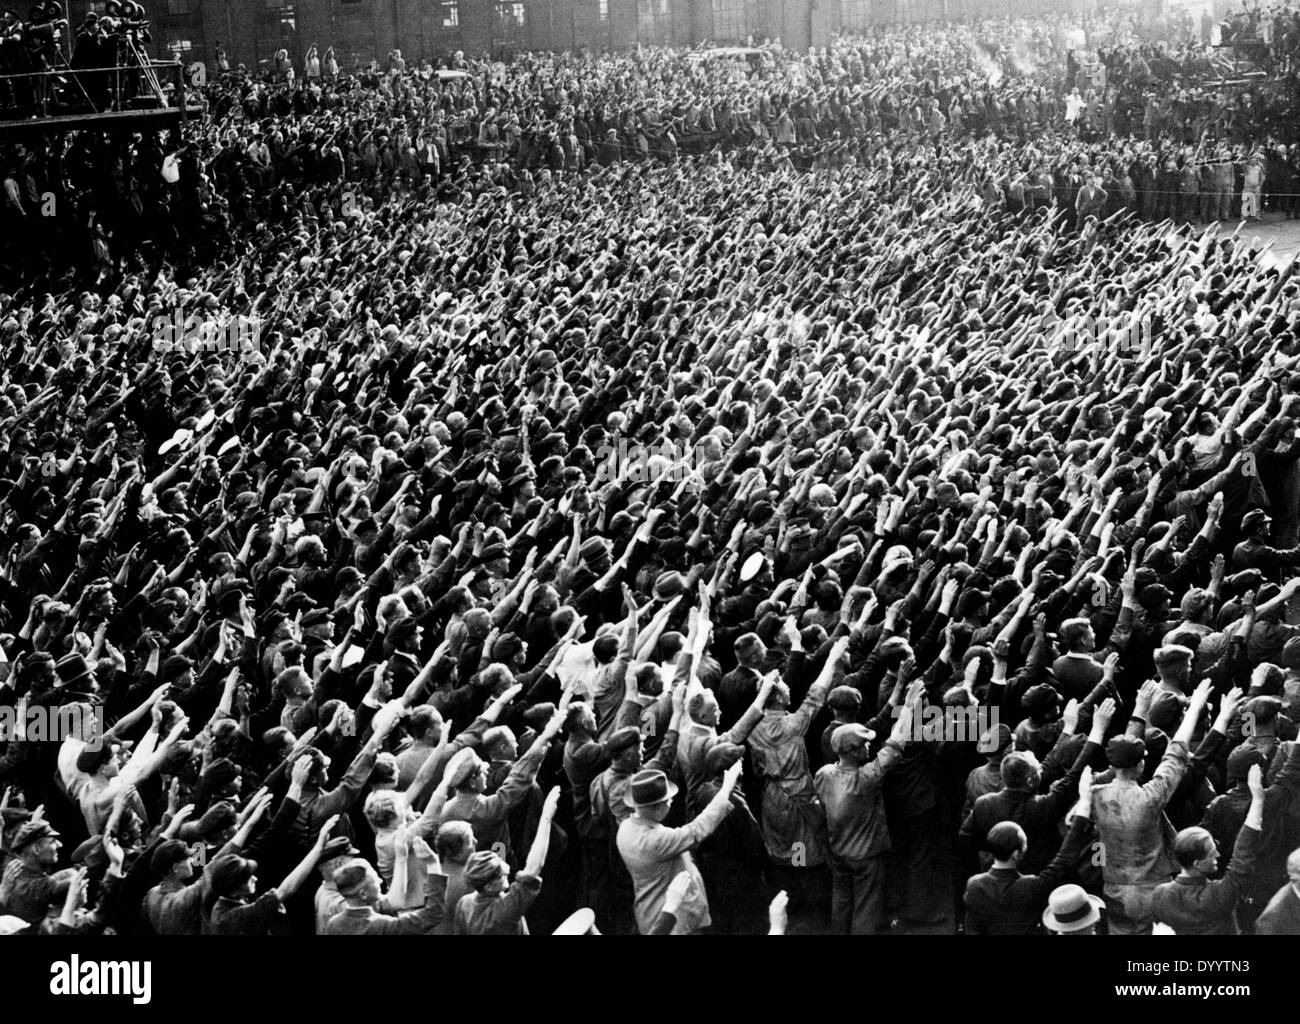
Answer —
(143, 95)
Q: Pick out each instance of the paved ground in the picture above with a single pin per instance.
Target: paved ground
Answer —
(1285, 235)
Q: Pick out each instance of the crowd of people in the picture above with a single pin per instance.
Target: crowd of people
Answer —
(751, 534)
(284, 148)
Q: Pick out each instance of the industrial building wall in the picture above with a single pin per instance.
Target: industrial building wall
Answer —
(361, 30)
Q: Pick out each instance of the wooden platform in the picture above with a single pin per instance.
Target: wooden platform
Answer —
(157, 119)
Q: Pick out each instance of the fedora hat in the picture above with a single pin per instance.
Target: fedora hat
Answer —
(649, 787)
(72, 669)
(1071, 909)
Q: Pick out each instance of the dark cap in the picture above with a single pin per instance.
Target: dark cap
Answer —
(173, 667)
(31, 832)
(401, 631)
(168, 853)
(1254, 518)
(1040, 698)
(314, 618)
(623, 739)
(482, 867)
(1125, 751)
(231, 872)
(722, 756)
(91, 853)
(217, 818)
(1240, 760)
(850, 736)
(844, 698)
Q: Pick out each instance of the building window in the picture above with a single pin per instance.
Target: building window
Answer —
(352, 2)
(511, 15)
(174, 7)
(180, 48)
(654, 22)
(451, 14)
(604, 12)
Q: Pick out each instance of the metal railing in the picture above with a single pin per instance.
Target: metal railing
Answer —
(119, 97)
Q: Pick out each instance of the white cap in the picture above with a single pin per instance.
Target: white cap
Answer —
(580, 922)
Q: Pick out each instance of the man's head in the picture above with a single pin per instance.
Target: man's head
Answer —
(1196, 851)
(1196, 605)
(177, 670)
(337, 852)
(467, 773)
(404, 636)
(1256, 524)
(1021, 771)
(454, 842)
(1042, 702)
(172, 861)
(1174, 665)
(995, 742)
(845, 702)
(650, 794)
(487, 872)
(499, 744)
(1077, 636)
(357, 882)
(1072, 911)
(425, 724)
(1241, 760)
(1007, 843)
(234, 877)
(1126, 754)
(37, 844)
(1293, 869)
(581, 717)
(605, 648)
(647, 680)
(381, 809)
(703, 709)
(851, 743)
(720, 757)
(295, 684)
(103, 759)
(750, 651)
(318, 773)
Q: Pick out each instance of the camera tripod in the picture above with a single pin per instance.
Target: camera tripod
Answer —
(146, 67)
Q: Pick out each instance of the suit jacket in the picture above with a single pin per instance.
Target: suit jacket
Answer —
(1205, 907)
(1076, 676)
(423, 920)
(1005, 902)
(1036, 814)
(1282, 915)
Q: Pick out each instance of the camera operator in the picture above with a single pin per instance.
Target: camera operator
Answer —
(14, 92)
(125, 35)
(42, 41)
(91, 49)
